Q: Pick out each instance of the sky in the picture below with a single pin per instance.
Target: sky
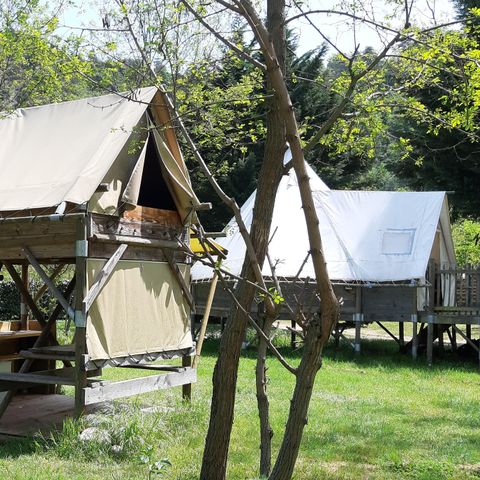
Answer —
(345, 33)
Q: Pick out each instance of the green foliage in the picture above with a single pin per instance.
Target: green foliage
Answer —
(36, 67)
(10, 299)
(466, 237)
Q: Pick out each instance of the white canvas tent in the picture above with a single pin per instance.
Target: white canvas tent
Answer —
(372, 241)
(367, 236)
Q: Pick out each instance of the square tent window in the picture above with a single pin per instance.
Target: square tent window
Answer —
(398, 241)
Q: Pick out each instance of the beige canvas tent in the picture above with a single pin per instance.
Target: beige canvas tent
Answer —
(99, 184)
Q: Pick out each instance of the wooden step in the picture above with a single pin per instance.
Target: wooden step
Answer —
(58, 352)
(9, 357)
(60, 376)
(56, 349)
(19, 334)
(12, 381)
(46, 356)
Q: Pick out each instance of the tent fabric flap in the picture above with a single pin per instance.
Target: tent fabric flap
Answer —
(141, 310)
(132, 190)
(120, 178)
(177, 178)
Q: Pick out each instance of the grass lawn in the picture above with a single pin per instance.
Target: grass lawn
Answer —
(381, 417)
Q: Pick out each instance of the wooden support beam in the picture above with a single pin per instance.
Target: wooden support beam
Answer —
(453, 339)
(187, 387)
(469, 341)
(23, 302)
(56, 272)
(103, 277)
(46, 279)
(143, 242)
(388, 332)
(34, 378)
(41, 218)
(127, 388)
(401, 333)
(179, 277)
(25, 293)
(147, 366)
(440, 337)
(358, 319)
(206, 315)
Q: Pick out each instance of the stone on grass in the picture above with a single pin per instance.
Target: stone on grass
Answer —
(94, 434)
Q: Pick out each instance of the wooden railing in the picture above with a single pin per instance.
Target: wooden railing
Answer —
(454, 286)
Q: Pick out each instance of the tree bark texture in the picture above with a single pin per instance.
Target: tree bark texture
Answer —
(214, 463)
(263, 404)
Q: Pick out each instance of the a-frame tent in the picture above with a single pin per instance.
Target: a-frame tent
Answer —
(378, 246)
(99, 184)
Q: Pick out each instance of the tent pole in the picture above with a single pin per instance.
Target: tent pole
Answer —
(206, 315)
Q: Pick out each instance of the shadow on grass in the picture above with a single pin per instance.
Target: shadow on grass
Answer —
(15, 447)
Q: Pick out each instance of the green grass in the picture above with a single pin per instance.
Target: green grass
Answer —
(379, 417)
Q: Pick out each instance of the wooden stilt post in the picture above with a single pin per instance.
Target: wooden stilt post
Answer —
(336, 336)
(430, 320)
(440, 337)
(469, 329)
(401, 333)
(81, 254)
(23, 301)
(358, 319)
(478, 344)
(293, 337)
(414, 336)
(453, 340)
(187, 388)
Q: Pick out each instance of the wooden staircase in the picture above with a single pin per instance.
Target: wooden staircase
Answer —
(56, 376)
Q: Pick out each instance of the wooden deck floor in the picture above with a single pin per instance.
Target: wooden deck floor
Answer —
(29, 414)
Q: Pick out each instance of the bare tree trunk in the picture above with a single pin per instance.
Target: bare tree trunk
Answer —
(297, 417)
(263, 405)
(217, 442)
(319, 329)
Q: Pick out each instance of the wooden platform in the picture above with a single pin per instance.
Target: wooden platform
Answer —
(29, 414)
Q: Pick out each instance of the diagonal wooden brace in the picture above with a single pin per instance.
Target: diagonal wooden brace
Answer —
(179, 277)
(44, 287)
(103, 277)
(26, 294)
(46, 279)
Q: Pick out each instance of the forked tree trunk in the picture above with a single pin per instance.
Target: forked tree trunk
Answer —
(217, 442)
(319, 330)
(276, 129)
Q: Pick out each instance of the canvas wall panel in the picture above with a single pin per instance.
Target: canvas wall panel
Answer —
(141, 310)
